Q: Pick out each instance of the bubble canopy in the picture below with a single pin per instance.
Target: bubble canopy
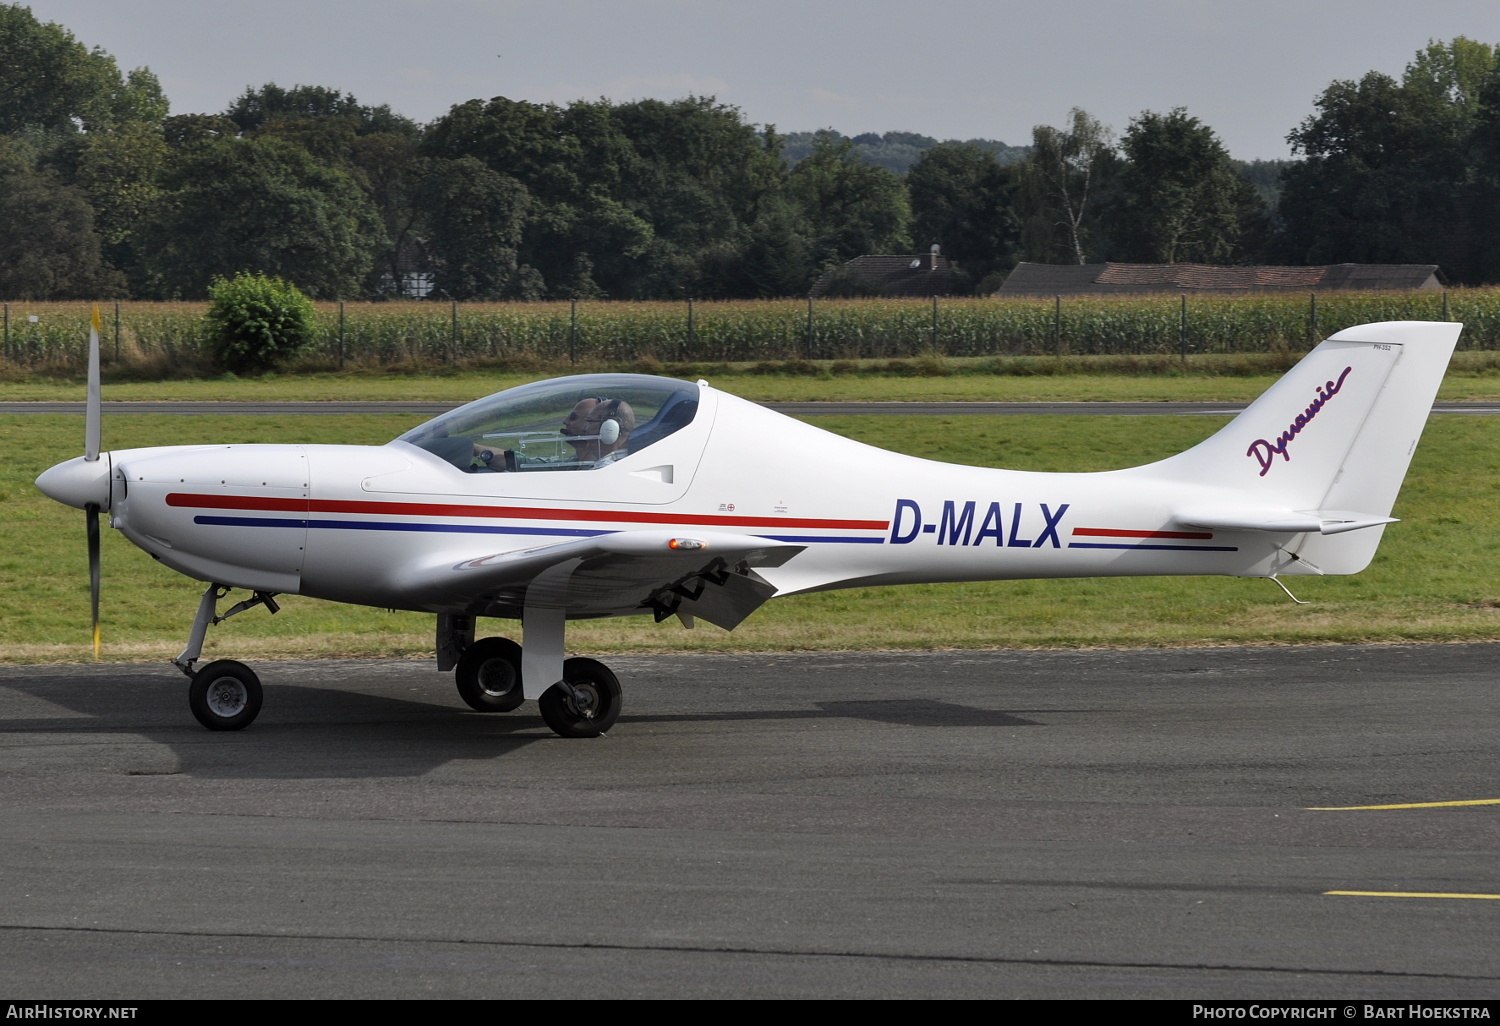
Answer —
(575, 423)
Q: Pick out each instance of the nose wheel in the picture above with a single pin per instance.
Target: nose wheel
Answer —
(225, 695)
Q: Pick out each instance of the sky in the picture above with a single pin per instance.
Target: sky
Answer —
(1250, 69)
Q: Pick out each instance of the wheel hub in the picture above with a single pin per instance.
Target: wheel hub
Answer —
(497, 678)
(584, 700)
(227, 696)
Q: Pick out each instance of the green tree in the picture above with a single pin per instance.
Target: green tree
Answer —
(526, 142)
(181, 130)
(705, 146)
(699, 176)
(1060, 182)
(119, 172)
(645, 199)
(1380, 162)
(51, 82)
(850, 208)
(140, 100)
(774, 262)
(962, 199)
(515, 138)
(1453, 73)
(262, 205)
(48, 246)
(1389, 173)
(1484, 197)
(475, 219)
(254, 107)
(391, 172)
(1180, 198)
(374, 147)
(330, 141)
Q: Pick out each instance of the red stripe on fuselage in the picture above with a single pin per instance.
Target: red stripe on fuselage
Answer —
(1107, 532)
(440, 509)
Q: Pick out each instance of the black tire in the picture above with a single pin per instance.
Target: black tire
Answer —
(488, 675)
(597, 686)
(225, 695)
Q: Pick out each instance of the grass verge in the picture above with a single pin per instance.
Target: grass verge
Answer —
(1473, 376)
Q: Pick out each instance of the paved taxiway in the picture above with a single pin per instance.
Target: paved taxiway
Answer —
(957, 824)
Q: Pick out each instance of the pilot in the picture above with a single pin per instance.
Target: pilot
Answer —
(597, 428)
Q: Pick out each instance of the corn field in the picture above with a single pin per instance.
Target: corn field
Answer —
(171, 335)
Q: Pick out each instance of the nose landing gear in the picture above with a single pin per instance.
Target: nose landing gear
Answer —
(225, 694)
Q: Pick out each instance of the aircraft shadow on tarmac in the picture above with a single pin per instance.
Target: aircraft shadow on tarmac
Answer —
(325, 732)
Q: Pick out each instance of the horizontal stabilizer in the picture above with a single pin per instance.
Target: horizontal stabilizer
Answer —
(1284, 521)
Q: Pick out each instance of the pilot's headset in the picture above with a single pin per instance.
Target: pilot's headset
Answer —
(609, 427)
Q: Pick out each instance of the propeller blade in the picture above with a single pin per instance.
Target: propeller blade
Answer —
(91, 523)
(91, 429)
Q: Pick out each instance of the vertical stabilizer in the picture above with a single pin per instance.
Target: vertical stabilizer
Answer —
(1330, 442)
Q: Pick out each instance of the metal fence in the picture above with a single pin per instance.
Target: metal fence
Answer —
(54, 335)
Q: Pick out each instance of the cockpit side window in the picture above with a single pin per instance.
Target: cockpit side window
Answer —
(579, 423)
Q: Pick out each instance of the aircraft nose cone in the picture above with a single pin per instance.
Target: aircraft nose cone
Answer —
(78, 482)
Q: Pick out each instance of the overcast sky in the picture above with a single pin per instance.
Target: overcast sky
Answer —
(1251, 69)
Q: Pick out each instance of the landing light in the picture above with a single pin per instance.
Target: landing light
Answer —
(687, 543)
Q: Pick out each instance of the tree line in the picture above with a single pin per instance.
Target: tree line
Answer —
(104, 193)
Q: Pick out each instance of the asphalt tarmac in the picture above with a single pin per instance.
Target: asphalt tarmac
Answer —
(1129, 824)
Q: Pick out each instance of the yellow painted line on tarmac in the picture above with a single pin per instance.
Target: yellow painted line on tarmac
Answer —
(1411, 805)
(1411, 894)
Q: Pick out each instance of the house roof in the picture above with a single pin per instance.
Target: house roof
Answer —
(915, 274)
(1111, 278)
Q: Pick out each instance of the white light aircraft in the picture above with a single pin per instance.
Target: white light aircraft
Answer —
(621, 495)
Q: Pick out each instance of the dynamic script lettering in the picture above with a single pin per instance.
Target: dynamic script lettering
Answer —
(1266, 452)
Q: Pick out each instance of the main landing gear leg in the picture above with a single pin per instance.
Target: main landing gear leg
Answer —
(225, 694)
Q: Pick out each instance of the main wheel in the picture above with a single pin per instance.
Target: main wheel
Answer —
(596, 707)
(225, 695)
(488, 675)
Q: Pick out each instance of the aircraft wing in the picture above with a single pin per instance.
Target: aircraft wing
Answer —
(664, 573)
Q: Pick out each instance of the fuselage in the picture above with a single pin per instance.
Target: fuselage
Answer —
(344, 522)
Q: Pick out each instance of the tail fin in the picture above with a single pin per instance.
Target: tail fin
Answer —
(1324, 451)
